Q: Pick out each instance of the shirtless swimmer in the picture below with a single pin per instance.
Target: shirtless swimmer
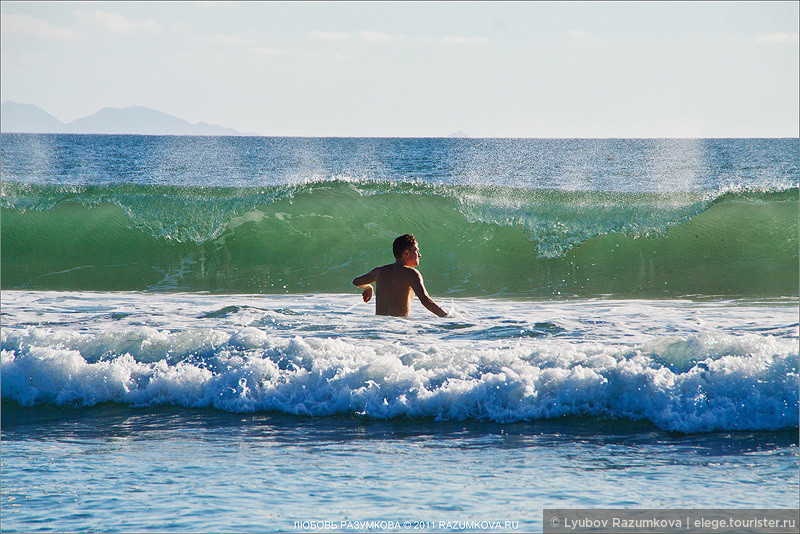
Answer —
(398, 282)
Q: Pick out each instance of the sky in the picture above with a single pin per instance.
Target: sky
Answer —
(416, 69)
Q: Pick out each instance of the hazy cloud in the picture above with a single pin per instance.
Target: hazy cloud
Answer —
(117, 23)
(778, 38)
(375, 37)
(14, 23)
(254, 46)
(263, 51)
(463, 40)
(229, 40)
(380, 37)
(228, 4)
(183, 30)
(329, 36)
(579, 35)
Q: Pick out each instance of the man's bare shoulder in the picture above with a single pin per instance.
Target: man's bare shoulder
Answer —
(395, 268)
(412, 272)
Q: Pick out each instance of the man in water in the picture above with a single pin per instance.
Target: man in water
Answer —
(398, 282)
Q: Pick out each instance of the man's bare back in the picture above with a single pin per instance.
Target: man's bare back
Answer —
(397, 283)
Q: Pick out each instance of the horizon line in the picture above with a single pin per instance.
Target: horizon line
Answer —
(457, 134)
(454, 138)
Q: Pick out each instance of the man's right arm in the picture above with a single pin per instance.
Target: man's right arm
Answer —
(364, 282)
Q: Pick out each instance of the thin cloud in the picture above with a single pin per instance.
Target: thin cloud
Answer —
(372, 36)
(779, 38)
(225, 5)
(375, 37)
(17, 23)
(263, 51)
(191, 36)
(229, 40)
(117, 23)
(579, 35)
(458, 40)
(329, 36)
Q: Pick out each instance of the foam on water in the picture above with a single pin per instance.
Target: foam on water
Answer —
(682, 366)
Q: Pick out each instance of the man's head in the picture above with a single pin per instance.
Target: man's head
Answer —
(405, 249)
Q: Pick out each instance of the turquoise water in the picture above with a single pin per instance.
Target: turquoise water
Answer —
(523, 219)
(182, 350)
(517, 243)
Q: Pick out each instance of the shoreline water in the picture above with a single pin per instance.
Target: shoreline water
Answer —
(262, 472)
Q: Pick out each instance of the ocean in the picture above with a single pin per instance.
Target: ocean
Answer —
(183, 351)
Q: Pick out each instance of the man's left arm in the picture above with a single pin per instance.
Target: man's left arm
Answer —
(419, 288)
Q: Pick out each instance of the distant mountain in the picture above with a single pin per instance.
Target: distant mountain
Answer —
(27, 118)
(459, 134)
(15, 117)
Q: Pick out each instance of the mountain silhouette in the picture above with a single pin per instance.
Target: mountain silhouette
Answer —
(27, 118)
(15, 117)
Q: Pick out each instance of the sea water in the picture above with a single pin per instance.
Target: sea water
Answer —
(182, 349)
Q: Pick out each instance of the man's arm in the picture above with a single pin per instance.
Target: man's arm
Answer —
(419, 288)
(364, 282)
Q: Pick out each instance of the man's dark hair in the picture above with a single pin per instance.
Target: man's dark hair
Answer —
(401, 244)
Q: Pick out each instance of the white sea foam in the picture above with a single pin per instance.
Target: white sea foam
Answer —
(683, 366)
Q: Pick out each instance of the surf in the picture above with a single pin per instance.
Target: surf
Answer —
(680, 366)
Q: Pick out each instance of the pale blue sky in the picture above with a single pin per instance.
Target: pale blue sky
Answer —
(493, 69)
